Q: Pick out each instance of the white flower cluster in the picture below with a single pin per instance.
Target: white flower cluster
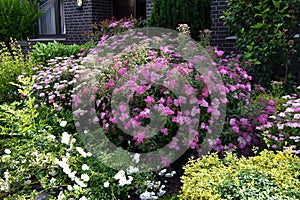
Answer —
(167, 175)
(121, 176)
(4, 184)
(72, 175)
(148, 196)
(153, 186)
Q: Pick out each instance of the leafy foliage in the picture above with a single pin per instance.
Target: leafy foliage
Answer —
(11, 66)
(42, 52)
(18, 19)
(269, 173)
(170, 13)
(265, 35)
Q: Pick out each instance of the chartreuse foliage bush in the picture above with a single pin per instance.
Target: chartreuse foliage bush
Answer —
(12, 64)
(170, 13)
(266, 176)
(18, 19)
(265, 35)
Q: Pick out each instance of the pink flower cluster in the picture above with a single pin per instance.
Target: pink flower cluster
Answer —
(282, 129)
(54, 82)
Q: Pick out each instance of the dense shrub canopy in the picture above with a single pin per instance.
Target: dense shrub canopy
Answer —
(265, 31)
(18, 19)
(170, 13)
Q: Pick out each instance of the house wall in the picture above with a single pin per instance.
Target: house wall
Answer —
(79, 20)
(220, 33)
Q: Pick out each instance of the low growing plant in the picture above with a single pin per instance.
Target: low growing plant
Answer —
(267, 175)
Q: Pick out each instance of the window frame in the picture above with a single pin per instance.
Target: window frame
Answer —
(60, 26)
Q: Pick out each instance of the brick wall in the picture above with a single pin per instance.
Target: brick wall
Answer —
(79, 20)
(102, 9)
(219, 31)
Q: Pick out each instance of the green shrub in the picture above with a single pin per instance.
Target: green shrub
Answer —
(12, 64)
(265, 35)
(42, 52)
(261, 177)
(170, 13)
(18, 19)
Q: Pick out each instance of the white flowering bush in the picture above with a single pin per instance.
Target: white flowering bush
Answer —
(41, 156)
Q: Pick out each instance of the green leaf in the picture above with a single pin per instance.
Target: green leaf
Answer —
(276, 3)
(257, 26)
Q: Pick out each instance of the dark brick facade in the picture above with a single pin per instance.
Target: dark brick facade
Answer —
(220, 34)
(79, 20)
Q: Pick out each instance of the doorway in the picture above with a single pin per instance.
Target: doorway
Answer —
(126, 8)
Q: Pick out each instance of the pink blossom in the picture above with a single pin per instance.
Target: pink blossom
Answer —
(232, 121)
(139, 138)
(122, 71)
(165, 162)
(219, 53)
(114, 24)
(149, 100)
(235, 129)
(164, 131)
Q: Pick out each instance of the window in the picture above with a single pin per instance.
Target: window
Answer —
(53, 20)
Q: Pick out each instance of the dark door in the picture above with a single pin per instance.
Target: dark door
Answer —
(126, 8)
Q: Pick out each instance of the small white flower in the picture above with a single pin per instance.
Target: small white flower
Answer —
(6, 175)
(162, 172)
(85, 167)
(85, 177)
(7, 151)
(63, 123)
(65, 138)
(76, 187)
(119, 175)
(69, 187)
(52, 172)
(132, 170)
(106, 184)
(81, 151)
(88, 154)
(72, 175)
(83, 198)
(136, 158)
(80, 182)
(61, 196)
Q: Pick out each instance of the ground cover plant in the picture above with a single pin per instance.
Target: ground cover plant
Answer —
(44, 155)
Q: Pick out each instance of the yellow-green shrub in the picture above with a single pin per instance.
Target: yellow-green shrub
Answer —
(209, 177)
(12, 64)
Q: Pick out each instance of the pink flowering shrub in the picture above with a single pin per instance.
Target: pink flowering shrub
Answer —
(113, 26)
(205, 112)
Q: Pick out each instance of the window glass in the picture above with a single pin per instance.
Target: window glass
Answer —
(52, 21)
